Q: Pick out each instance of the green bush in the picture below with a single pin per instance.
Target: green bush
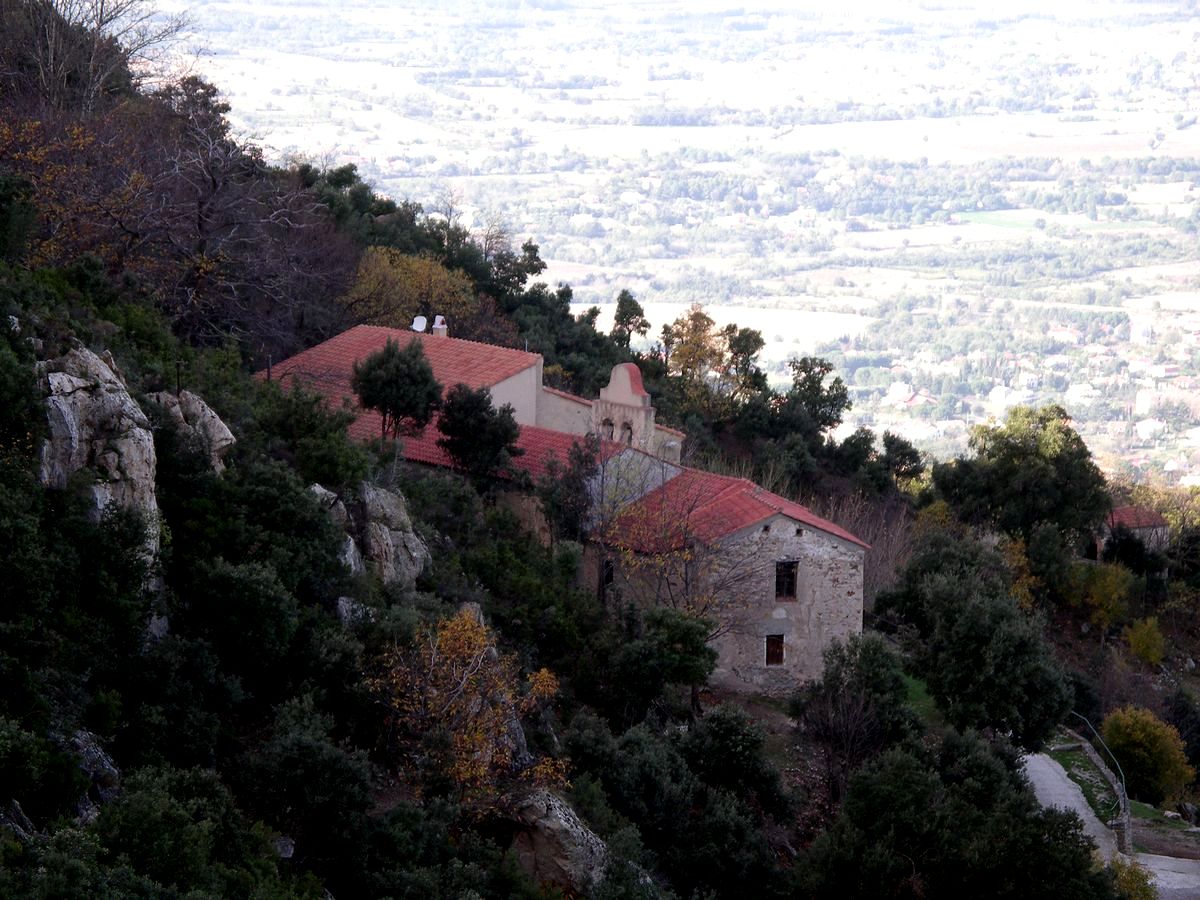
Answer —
(1150, 752)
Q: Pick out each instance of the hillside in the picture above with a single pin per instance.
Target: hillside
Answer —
(248, 656)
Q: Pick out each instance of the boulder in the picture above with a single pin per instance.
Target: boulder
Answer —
(195, 419)
(94, 423)
(351, 557)
(554, 846)
(333, 505)
(351, 612)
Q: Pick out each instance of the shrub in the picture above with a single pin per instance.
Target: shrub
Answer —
(1150, 752)
(1133, 882)
(1146, 640)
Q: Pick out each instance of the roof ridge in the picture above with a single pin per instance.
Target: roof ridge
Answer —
(425, 335)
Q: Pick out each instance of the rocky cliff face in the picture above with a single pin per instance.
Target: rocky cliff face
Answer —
(379, 534)
(95, 424)
(195, 420)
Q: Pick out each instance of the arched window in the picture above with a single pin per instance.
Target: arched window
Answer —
(606, 428)
(626, 433)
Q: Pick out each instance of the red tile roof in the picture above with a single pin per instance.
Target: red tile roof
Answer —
(635, 379)
(704, 507)
(1134, 517)
(540, 445)
(327, 367)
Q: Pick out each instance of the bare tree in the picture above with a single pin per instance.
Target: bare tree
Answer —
(495, 236)
(76, 51)
(884, 525)
(650, 527)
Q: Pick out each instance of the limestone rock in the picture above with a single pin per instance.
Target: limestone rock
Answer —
(194, 418)
(14, 819)
(351, 612)
(394, 550)
(332, 504)
(351, 557)
(95, 423)
(379, 534)
(102, 772)
(555, 847)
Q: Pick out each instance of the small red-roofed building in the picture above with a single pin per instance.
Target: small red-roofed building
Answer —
(1147, 525)
(777, 582)
(623, 412)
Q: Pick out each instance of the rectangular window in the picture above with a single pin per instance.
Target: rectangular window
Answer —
(610, 571)
(785, 580)
(774, 649)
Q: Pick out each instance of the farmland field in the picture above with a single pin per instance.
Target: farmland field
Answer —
(941, 198)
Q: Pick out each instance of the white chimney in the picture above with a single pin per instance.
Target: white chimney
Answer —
(439, 328)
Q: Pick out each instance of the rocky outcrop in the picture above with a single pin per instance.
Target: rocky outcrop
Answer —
(95, 423)
(379, 534)
(195, 420)
(389, 542)
(555, 847)
(103, 775)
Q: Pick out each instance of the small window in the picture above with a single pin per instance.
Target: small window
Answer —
(626, 433)
(609, 572)
(606, 428)
(785, 580)
(774, 649)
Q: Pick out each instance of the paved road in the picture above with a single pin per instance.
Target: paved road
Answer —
(1176, 879)
(1054, 788)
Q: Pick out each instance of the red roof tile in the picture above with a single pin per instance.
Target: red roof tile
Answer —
(701, 506)
(635, 379)
(540, 444)
(1133, 517)
(328, 366)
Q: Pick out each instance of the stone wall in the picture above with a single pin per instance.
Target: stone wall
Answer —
(828, 604)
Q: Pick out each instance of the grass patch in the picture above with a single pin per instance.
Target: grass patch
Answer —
(1154, 816)
(921, 702)
(1081, 770)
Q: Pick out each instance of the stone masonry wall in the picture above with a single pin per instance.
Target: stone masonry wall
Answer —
(829, 605)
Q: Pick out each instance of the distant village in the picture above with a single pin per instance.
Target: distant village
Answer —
(1136, 402)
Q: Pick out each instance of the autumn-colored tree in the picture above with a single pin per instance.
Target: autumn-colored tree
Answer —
(1102, 590)
(453, 705)
(1146, 640)
(392, 287)
(160, 189)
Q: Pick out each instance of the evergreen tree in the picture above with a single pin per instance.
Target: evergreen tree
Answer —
(399, 385)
